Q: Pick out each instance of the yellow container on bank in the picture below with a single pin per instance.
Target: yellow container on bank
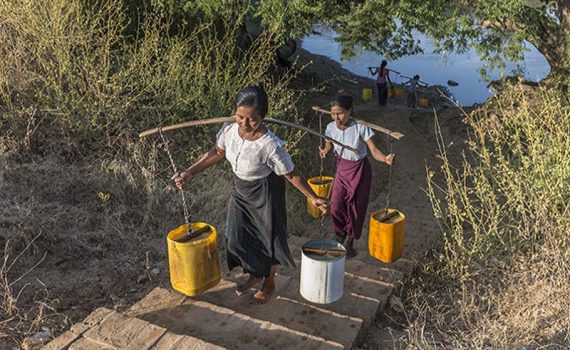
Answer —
(194, 265)
(395, 91)
(386, 239)
(366, 94)
(322, 186)
(423, 102)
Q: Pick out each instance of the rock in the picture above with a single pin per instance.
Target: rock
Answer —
(155, 271)
(142, 279)
(396, 304)
(38, 340)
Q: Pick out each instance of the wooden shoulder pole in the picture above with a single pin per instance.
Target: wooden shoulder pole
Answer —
(188, 124)
(391, 133)
(232, 120)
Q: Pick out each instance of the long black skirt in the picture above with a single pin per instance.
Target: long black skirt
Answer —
(256, 226)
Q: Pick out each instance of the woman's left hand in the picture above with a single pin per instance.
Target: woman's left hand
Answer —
(389, 159)
(323, 204)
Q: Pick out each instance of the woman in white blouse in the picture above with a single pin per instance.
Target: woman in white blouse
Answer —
(256, 224)
(351, 187)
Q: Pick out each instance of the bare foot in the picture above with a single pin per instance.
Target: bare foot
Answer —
(244, 287)
(263, 295)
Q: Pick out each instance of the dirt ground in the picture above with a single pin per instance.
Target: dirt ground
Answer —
(94, 251)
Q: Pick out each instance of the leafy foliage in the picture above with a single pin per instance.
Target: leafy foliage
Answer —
(499, 30)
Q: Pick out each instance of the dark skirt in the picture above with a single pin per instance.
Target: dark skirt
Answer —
(351, 192)
(256, 226)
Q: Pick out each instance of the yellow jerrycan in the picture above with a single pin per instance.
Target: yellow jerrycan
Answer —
(386, 239)
(194, 265)
(322, 186)
(366, 94)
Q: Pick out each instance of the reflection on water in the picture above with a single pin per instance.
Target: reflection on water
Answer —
(433, 69)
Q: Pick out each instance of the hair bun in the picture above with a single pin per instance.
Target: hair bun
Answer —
(257, 83)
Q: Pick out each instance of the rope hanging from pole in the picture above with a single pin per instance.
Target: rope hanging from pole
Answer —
(184, 203)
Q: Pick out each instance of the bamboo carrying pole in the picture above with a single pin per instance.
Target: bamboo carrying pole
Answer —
(391, 133)
(154, 131)
(323, 251)
(232, 120)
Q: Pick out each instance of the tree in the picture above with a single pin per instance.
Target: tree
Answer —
(498, 29)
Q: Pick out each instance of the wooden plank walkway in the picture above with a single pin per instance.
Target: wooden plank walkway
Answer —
(219, 319)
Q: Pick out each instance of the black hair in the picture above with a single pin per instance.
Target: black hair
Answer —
(253, 96)
(417, 77)
(343, 101)
(383, 65)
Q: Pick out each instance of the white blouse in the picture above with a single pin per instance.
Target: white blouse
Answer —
(253, 160)
(355, 136)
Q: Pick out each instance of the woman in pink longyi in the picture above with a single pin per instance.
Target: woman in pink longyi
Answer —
(351, 187)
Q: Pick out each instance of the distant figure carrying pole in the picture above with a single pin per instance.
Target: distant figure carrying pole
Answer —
(413, 90)
(382, 81)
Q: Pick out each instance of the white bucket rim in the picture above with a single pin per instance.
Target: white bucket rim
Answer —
(328, 243)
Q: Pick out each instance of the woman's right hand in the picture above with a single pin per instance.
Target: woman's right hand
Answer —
(181, 178)
(322, 153)
(323, 204)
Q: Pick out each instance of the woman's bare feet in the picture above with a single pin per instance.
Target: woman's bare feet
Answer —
(263, 295)
(244, 287)
(267, 288)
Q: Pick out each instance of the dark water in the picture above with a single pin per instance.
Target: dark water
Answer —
(432, 68)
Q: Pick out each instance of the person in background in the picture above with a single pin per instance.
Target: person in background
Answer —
(256, 224)
(351, 187)
(413, 90)
(382, 81)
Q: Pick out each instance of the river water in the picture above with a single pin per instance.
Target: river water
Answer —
(432, 68)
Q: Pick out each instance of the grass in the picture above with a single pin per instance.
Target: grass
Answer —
(76, 88)
(498, 276)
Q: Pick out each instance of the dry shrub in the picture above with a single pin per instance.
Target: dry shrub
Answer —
(499, 278)
(75, 91)
(73, 81)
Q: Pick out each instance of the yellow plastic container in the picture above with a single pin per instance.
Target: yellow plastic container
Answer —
(395, 91)
(386, 239)
(399, 91)
(194, 265)
(366, 94)
(322, 185)
(423, 102)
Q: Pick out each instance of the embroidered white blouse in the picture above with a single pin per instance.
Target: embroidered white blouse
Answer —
(253, 160)
(355, 136)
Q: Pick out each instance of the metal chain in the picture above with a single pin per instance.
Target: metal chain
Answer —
(184, 203)
(321, 146)
(389, 179)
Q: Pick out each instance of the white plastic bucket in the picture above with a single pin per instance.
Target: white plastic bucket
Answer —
(322, 276)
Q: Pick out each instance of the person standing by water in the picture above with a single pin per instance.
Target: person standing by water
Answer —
(413, 91)
(351, 187)
(256, 224)
(382, 81)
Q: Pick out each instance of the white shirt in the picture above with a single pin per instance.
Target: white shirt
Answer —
(253, 160)
(355, 136)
